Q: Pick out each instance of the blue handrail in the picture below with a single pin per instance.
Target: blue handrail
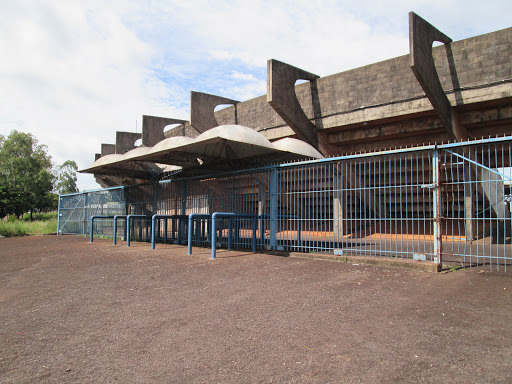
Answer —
(232, 215)
(191, 218)
(128, 221)
(115, 226)
(153, 226)
(92, 224)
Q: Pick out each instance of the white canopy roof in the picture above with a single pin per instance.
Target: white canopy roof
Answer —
(221, 148)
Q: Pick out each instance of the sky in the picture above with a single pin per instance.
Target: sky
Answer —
(72, 73)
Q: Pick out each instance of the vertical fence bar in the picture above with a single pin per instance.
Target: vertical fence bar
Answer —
(58, 216)
(437, 208)
(86, 204)
(273, 208)
(126, 200)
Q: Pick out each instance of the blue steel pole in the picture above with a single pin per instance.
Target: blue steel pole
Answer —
(153, 222)
(116, 217)
(115, 230)
(128, 225)
(86, 204)
(58, 217)
(183, 210)
(128, 220)
(92, 233)
(189, 237)
(230, 233)
(92, 224)
(214, 235)
(214, 229)
(190, 228)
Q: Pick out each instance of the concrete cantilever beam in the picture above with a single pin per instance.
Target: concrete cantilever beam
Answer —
(125, 141)
(153, 128)
(107, 149)
(202, 107)
(281, 78)
(421, 36)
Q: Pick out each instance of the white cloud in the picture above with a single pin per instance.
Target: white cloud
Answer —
(74, 72)
(243, 76)
(73, 76)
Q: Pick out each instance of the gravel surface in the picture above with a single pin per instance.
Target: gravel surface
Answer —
(74, 312)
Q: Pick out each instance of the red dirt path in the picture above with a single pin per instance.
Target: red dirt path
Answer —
(73, 312)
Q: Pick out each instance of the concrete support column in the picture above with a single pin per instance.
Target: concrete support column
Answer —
(469, 195)
(338, 210)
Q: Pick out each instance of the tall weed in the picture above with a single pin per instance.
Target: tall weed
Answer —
(46, 224)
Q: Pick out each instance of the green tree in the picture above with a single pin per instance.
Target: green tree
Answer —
(66, 179)
(26, 177)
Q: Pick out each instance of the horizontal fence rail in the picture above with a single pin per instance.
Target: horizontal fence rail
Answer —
(446, 203)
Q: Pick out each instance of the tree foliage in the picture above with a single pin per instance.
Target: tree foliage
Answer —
(66, 179)
(26, 178)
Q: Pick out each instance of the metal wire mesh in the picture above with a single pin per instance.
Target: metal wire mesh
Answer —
(76, 210)
(450, 201)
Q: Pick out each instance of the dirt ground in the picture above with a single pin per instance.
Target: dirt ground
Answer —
(74, 312)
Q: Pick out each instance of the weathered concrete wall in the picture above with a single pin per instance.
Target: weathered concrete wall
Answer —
(471, 71)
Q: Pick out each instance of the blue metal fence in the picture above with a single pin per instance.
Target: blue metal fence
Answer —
(448, 201)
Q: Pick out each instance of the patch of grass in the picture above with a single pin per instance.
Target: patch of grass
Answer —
(47, 224)
(43, 216)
